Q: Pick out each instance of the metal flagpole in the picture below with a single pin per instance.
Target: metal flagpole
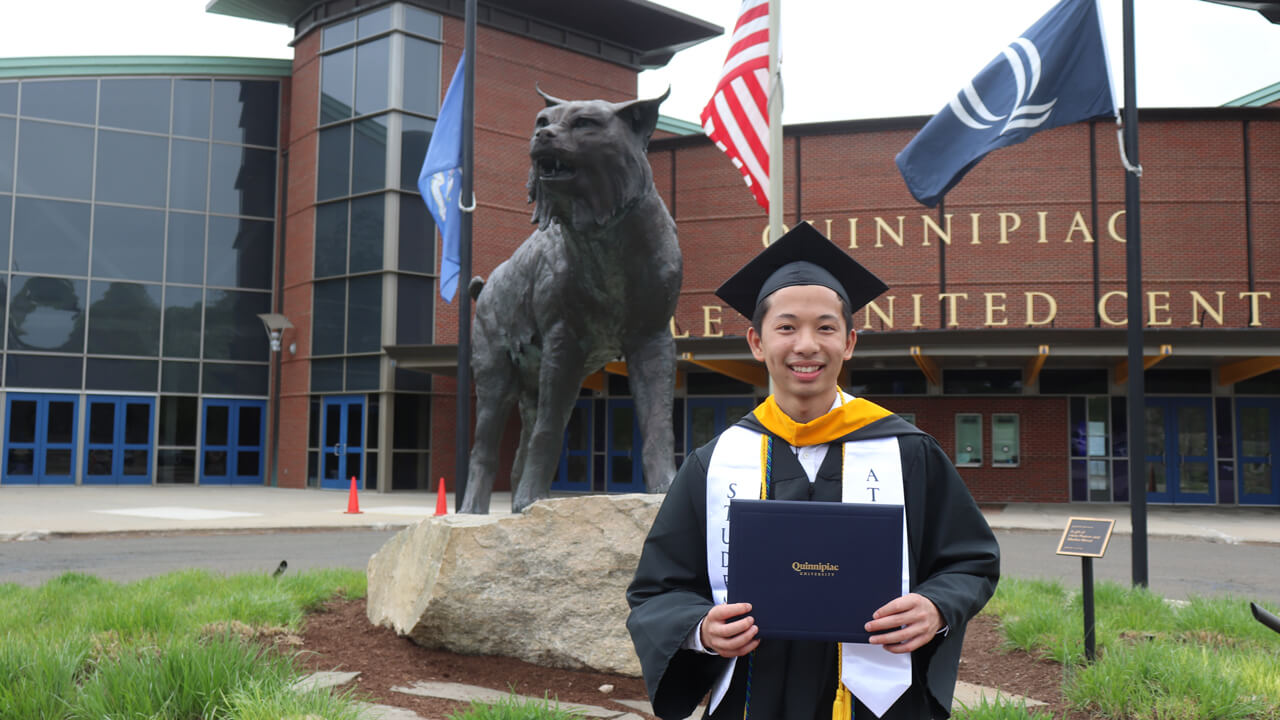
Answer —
(1133, 271)
(462, 452)
(775, 124)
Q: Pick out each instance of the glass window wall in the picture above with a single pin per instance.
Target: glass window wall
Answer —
(96, 272)
(124, 319)
(135, 104)
(239, 253)
(47, 314)
(8, 98)
(128, 243)
(246, 112)
(183, 308)
(191, 106)
(184, 261)
(55, 160)
(189, 175)
(6, 211)
(131, 168)
(50, 236)
(8, 138)
(72, 101)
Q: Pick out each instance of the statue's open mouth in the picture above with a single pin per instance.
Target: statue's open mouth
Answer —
(552, 168)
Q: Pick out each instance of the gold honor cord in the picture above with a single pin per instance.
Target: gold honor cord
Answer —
(842, 707)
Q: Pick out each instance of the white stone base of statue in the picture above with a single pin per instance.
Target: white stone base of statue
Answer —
(547, 586)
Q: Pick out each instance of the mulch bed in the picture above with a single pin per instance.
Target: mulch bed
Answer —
(340, 637)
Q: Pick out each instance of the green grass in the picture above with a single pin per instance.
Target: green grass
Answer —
(1207, 660)
(514, 707)
(185, 645)
(999, 711)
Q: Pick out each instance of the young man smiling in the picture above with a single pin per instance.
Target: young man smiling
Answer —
(809, 441)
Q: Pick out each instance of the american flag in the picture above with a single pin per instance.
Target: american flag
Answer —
(737, 117)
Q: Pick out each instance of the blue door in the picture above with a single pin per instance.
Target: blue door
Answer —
(1180, 450)
(233, 440)
(118, 437)
(39, 440)
(342, 433)
(709, 416)
(623, 467)
(574, 473)
(1258, 436)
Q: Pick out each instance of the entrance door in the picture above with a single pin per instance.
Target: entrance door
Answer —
(234, 435)
(118, 440)
(623, 467)
(39, 440)
(574, 472)
(709, 416)
(1180, 450)
(343, 442)
(1259, 478)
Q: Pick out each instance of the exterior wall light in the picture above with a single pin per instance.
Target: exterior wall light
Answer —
(276, 324)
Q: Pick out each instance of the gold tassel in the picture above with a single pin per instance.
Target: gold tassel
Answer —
(842, 708)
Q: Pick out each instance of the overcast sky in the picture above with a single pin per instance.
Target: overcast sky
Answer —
(842, 59)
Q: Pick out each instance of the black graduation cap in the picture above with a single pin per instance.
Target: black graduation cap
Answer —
(803, 256)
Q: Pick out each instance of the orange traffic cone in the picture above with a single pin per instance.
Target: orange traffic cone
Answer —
(442, 505)
(353, 499)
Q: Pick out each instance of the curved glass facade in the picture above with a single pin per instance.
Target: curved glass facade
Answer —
(380, 75)
(137, 233)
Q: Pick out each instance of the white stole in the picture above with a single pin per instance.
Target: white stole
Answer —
(872, 473)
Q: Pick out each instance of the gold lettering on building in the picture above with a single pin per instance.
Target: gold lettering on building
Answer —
(1078, 223)
(764, 236)
(710, 319)
(973, 223)
(1006, 227)
(1043, 216)
(1031, 308)
(895, 236)
(1255, 316)
(675, 333)
(1111, 225)
(950, 299)
(1154, 306)
(931, 224)
(853, 233)
(1198, 303)
(1102, 307)
(993, 308)
(1161, 309)
(885, 319)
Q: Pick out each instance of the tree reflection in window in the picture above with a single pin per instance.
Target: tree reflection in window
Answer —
(47, 314)
(125, 319)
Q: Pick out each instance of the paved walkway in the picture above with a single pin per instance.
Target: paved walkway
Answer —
(33, 512)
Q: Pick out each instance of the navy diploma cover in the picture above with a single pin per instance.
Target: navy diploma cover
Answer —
(814, 570)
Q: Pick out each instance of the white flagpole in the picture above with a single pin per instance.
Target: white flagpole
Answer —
(775, 124)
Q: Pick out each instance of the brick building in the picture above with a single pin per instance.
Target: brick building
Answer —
(1003, 333)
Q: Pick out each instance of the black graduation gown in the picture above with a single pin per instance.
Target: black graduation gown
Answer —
(954, 558)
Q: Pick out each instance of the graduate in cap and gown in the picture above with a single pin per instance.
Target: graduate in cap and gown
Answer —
(809, 441)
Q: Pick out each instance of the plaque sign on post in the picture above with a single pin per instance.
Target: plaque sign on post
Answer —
(1087, 539)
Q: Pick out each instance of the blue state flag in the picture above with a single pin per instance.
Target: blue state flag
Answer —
(1055, 74)
(440, 181)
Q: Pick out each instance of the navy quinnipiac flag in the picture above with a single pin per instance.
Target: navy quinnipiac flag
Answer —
(440, 181)
(1055, 74)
